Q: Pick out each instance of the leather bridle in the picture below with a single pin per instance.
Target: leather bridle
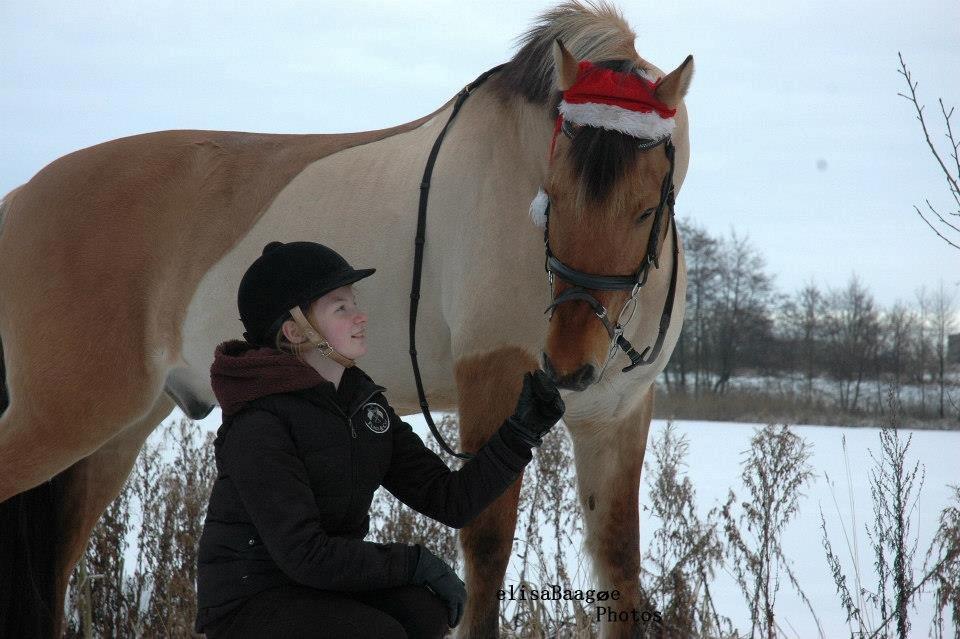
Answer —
(582, 282)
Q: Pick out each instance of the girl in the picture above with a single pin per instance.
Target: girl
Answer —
(307, 437)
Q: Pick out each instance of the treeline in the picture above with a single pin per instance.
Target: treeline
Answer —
(838, 342)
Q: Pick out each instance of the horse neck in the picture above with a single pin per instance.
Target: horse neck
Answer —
(511, 129)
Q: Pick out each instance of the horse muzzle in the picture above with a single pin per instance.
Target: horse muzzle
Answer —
(577, 380)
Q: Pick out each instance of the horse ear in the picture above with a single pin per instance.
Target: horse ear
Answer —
(565, 64)
(674, 85)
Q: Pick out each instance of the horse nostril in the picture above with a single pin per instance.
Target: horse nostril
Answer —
(578, 380)
(586, 375)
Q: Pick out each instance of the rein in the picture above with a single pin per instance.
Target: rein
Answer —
(418, 259)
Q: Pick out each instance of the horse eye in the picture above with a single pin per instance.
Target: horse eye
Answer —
(645, 215)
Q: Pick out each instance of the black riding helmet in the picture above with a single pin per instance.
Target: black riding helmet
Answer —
(287, 275)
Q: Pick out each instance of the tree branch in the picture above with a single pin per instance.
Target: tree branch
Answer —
(926, 134)
(934, 229)
(952, 181)
(956, 145)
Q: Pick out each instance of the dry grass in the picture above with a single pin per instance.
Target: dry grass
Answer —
(880, 606)
(755, 406)
(163, 505)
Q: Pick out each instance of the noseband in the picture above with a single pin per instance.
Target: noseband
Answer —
(582, 282)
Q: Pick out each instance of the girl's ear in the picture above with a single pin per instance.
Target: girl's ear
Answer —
(292, 332)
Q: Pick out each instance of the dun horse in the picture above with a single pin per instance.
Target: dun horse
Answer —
(119, 265)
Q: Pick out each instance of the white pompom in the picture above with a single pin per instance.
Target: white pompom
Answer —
(538, 209)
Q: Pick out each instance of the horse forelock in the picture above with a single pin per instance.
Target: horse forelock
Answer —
(600, 158)
(592, 30)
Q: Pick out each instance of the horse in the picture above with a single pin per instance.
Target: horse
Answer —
(119, 265)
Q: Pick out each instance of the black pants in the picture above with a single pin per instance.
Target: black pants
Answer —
(300, 612)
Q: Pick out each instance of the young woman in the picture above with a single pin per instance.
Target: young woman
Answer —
(307, 437)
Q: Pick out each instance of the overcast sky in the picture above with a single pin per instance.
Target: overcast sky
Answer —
(799, 140)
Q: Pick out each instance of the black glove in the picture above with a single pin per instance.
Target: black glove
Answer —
(538, 409)
(435, 574)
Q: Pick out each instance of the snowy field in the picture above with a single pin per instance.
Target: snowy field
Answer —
(715, 452)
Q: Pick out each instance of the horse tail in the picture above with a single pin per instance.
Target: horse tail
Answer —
(29, 545)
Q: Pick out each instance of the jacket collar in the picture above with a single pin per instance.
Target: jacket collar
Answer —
(355, 389)
(242, 372)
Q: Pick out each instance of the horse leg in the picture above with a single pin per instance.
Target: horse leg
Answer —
(45, 529)
(95, 481)
(609, 459)
(488, 385)
(55, 411)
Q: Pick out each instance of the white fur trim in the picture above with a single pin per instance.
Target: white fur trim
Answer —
(607, 116)
(538, 209)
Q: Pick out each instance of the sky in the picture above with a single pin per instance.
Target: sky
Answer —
(798, 138)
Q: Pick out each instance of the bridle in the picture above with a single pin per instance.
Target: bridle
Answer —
(581, 281)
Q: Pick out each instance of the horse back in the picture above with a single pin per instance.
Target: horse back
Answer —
(118, 235)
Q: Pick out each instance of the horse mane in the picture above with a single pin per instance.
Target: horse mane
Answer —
(592, 30)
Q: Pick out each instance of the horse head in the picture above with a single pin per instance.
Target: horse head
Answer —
(606, 208)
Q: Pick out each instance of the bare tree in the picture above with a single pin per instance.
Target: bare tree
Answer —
(943, 324)
(741, 312)
(852, 330)
(701, 253)
(802, 315)
(897, 327)
(922, 344)
(951, 170)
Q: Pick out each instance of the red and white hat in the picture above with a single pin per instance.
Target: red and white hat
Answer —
(624, 102)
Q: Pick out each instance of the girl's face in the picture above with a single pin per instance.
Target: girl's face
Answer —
(341, 321)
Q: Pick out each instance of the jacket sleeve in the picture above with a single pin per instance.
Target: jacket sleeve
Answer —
(422, 480)
(260, 458)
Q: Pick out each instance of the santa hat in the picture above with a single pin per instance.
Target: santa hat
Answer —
(624, 102)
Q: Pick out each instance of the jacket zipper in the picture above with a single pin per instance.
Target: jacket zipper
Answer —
(353, 447)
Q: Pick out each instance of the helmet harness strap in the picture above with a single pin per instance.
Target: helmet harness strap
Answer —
(318, 341)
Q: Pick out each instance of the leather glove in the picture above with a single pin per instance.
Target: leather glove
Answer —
(538, 408)
(435, 574)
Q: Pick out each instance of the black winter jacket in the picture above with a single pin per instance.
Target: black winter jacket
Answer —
(296, 474)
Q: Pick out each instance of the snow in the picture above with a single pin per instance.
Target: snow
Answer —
(713, 464)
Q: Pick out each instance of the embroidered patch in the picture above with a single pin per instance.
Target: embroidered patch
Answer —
(375, 417)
